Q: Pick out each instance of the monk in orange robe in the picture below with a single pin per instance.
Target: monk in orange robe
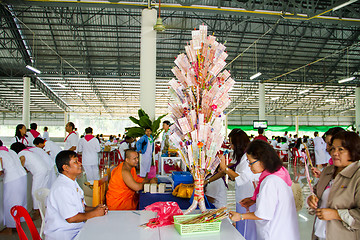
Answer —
(124, 183)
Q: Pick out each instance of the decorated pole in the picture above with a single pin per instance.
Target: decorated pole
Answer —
(200, 95)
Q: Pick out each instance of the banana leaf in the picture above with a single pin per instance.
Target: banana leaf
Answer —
(142, 113)
(145, 122)
(134, 120)
(135, 132)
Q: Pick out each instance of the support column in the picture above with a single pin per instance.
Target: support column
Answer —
(66, 120)
(148, 62)
(297, 125)
(357, 108)
(26, 102)
(261, 101)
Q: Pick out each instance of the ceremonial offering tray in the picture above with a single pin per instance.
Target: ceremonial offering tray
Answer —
(190, 229)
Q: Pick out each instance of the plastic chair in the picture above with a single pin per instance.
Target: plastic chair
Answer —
(296, 155)
(41, 195)
(18, 212)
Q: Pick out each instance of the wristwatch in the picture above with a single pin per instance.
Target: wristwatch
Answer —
(241, 217)
(226, 170)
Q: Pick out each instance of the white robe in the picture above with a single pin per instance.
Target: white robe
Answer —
(276, 206)
(25, 141)
(320, 151)
(49, 161)
(90, 158)
(46, 136)
(217, 190)
(71, 140)
(125, 146)
(145, 161)
(15, 185)
(40, 171)
(52, 149)
(244, 188)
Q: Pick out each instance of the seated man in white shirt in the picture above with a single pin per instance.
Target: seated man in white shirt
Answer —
(66, 210)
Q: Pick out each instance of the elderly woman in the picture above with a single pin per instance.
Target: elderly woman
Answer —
(275, 212)
(337, 196)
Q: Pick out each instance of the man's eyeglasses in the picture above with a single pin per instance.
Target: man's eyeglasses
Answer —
(252, 162)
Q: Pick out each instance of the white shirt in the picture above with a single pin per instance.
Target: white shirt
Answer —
(25, 141)
(319, 143)
(12, 166)
(217, 190)
(89, 150)
(276, 206)
(274, 143)
(244, 186)
(34, 163)
(124, 146)
(46, 136)
(41, 153)
(71, 140)
(66, 199)
(52, 149)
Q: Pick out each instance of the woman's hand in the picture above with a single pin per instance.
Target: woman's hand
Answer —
(316, 172)
(312, 201)
(234, 216)
(222, 163)
(247, 202)
(327, 214)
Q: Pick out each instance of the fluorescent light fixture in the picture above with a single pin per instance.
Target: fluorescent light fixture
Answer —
(330, 100)
(346, 79)
(60, 85)
(79, 94)
(303, 91)
(275, 98)
(255, 75)
(33, 69)
(343, 5)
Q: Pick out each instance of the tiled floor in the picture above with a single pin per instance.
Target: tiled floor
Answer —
(297, 175)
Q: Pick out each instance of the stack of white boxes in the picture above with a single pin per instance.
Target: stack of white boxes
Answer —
(154, 188)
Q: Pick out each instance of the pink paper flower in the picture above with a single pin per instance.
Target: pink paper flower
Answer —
(214, 107)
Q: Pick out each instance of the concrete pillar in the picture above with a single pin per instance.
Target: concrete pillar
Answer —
(148, 62)
(66, 120)
(357, 108)
(297, 125)
(26, 102)
(262, 101)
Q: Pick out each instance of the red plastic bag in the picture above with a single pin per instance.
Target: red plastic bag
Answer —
(165, 213)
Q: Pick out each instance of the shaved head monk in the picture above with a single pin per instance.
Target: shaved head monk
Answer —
(124, 183)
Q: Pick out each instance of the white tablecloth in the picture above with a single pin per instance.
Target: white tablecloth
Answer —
(125, 225)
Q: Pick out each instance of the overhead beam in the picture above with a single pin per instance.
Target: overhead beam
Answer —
(40, 85)
(192, 8)
(16, 34)
(5, 103)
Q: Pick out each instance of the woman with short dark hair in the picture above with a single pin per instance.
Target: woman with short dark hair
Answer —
(275, 212)
(336, 198)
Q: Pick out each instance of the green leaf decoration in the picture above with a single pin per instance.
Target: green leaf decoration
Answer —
(142, 113)
(135, 132)
(134, 120)
(145, 122)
